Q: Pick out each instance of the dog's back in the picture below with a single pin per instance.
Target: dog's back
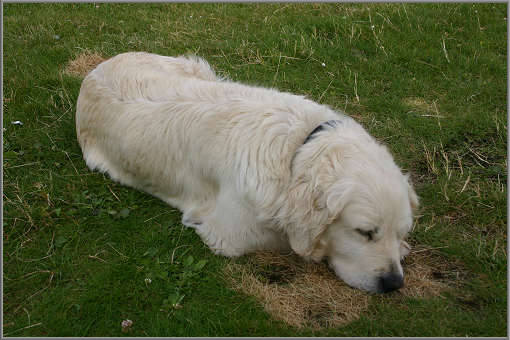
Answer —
(141, 75)
(170, 126)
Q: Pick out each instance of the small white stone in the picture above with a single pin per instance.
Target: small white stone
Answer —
(126, 323)
(323, 65)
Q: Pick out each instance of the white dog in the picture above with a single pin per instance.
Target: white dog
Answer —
(250, 168)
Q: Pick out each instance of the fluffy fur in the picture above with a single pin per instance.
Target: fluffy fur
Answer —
(231, 157)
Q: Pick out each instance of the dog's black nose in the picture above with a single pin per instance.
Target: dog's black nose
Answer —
(390, 282)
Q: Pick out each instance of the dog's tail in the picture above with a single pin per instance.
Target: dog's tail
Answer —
(198, 68)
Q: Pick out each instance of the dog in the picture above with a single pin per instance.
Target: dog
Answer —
(250, 168)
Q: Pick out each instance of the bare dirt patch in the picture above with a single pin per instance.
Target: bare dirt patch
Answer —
(83, 64)
(309, 295)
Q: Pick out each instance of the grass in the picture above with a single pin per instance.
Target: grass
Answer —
(429, 80)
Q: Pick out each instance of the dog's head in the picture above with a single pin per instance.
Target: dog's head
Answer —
(356, 209)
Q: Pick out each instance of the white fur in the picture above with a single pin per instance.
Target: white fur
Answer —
(231, 157)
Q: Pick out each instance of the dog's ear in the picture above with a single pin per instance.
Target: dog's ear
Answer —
(317, 210)
(338, 196)
(305, 242)
(319, 250)
(413, 198)
(308, 219)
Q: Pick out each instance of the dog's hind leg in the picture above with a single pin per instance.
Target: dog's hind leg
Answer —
(96, 161)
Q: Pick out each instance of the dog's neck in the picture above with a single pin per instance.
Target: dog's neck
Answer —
(322, 126)
(330, 123)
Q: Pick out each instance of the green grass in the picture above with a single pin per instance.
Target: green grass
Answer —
(78, 248)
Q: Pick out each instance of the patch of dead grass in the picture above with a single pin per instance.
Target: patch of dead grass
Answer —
(83, 64)
(298, 293)
(305, 294)
(419, 104)
(428, 274)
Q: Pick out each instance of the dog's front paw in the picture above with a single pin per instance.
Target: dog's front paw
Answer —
(227, 252)
(405, 249)
(188, 222)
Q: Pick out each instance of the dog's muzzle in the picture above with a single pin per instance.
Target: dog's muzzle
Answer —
(390, 282)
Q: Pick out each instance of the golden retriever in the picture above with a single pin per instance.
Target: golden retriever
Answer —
(250, 168)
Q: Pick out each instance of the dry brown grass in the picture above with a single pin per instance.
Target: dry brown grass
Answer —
(309, 295)
(298, 293)
(83, 64)
(419, 104)
(428, 274)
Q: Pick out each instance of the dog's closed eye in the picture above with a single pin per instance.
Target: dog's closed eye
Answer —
(369, 234)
